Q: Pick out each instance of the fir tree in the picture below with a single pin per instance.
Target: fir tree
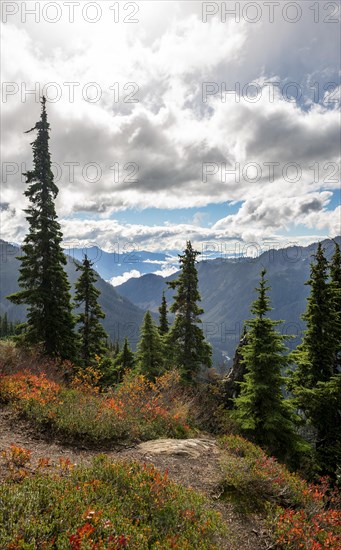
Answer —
(150, 357)
(261, 409)
(322, 408)
(113, 369)
(4, 325)
(335, 274)
(315, 381)
(43, 281)
(124, 362)
(163, 320)
(91, 332)
(113, 348)
(186, 338)
(126, 357)
(8, 328)
(117, 348)
(315, 356)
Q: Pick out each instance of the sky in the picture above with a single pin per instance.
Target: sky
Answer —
(148, 146)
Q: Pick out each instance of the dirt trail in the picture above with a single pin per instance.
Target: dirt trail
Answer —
(201, 472)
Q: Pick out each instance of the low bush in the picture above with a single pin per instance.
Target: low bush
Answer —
(317, 526)
(299, 515)
(105, 506)
(15, 358)
(135, 410)
(254, 479)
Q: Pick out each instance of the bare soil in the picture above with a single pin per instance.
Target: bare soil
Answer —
(202, 473)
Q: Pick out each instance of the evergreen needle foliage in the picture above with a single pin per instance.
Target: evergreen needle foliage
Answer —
(163, 319)
(43, 281)
(316, 382)
(126, 356)
(92, 334)
(124, 362)
(315, 356)
(8, 328)
(186, 337)
(335, 274)
(150, 353)
(261, 410)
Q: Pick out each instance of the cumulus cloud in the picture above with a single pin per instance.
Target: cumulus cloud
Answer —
(274, 212)
(113, 154)
(120, 279)
(166, 271)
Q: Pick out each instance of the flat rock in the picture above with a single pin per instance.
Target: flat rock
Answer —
(191, 448)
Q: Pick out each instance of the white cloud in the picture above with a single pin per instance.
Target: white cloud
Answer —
(276, 211)
(120, 279)
(166, 271)
(170, 132)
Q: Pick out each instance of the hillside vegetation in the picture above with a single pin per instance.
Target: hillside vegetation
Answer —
(62, 374)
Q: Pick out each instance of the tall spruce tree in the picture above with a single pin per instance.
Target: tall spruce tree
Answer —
(92, 334)
(335, 275)
(316, 381)
(322, 408)
(150, 357)
(124, 362)
(126, 357)
(43, 281)
(4, 325)
(163, 319)
(114, 369)
(117, 347)
(186, 337)
(315, 356)
(8, 328)
(261, 409)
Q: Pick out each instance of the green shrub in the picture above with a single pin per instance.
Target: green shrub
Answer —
(317, 526)
(135, 410)
(298, 514)
(254, 480)
(105, 506)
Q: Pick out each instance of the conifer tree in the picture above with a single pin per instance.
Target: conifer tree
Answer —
(322, 407)
(150, 357)
(315, 356)
(186, 338)
(114, 369)
(261, 409)
(43, 281)
(163, 320)
(4, 325)
(113, 347)
(335, 274)
(8, 328)
(126, 356)
(316, 380)
(117, 348)
(124, 362)
(92, 334)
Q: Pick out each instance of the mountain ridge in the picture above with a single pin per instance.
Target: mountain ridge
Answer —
(122, 317)
(227, 290)
(226, 286)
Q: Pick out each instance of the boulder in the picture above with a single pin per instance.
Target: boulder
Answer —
(190, 448)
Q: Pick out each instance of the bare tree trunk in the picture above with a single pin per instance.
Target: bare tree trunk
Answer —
(235, 375)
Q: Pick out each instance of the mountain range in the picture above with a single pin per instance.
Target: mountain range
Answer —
(122, 317)
(227, 290)
(226, 286)
(125, 261)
